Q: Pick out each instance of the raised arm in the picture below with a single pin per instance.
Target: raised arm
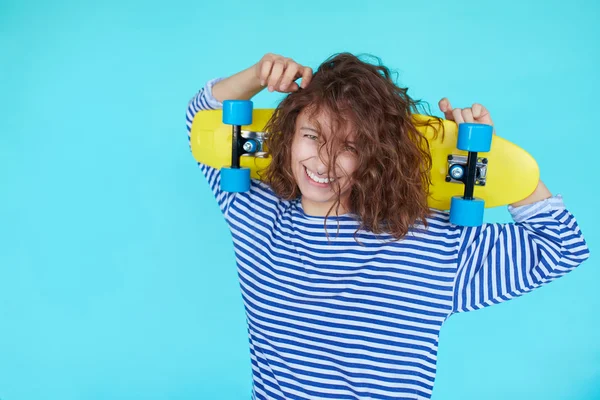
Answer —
(276, 72)
(498, 262)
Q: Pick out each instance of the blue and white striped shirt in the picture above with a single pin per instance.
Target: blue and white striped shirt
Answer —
(340, 320)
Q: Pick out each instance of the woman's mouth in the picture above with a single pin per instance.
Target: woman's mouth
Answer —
(314, 179)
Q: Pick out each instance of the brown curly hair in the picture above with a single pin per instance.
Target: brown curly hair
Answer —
(391, 183)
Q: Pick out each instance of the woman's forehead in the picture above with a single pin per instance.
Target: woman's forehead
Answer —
(321, 122)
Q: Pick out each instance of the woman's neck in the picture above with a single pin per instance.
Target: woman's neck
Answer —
(320, 209)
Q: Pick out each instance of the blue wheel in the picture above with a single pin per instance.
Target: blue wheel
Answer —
(475, 137)
(466, 212)
(237, 112)
(235, 179)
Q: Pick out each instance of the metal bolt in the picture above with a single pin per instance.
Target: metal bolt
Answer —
(248, 147)
(456, 172)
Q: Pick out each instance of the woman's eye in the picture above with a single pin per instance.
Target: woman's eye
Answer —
(311, 137)
(350, 149)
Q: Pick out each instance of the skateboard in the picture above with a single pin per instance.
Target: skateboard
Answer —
(472, 169)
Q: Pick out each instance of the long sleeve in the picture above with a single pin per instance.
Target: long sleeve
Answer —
(259, 191)
(204, 100)
(497, 262)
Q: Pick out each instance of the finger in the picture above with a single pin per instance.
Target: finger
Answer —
(307, 74)
(290, 75)
(481, 114)
(265, 71)
(476, 110)
(293, 87)
(467, 115)
(276, 73)
(457, 116)
(446, 108)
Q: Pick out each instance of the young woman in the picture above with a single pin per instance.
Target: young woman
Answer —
(346, 274)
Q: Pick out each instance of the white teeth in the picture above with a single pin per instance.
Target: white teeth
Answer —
(315, 178)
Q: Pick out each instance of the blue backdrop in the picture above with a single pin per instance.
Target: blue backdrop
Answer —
(115, 263)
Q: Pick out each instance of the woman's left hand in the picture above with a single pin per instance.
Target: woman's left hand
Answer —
(476, 113)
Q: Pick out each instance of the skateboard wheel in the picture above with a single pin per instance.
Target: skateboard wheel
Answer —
(235, 179)
(237, 112)
(465, 212)
(475, 137)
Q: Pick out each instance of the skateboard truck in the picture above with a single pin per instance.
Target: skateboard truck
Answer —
(252, 144)
(237, 113)
(467, 210)
(457, 167)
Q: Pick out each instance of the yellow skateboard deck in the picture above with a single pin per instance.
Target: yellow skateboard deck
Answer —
(510, 173)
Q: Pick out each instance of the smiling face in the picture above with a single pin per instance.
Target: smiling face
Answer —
(386, 184)
(310, 157)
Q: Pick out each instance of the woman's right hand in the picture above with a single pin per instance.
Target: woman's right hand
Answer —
(280, 73)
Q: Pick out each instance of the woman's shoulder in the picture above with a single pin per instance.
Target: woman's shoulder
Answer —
(437, 224)
(262, 198)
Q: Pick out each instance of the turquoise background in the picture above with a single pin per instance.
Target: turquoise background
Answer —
(117, 276)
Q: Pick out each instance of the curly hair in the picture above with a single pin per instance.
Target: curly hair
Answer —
(391, 183)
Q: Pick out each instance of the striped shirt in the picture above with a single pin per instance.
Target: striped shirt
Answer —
(340, 320)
